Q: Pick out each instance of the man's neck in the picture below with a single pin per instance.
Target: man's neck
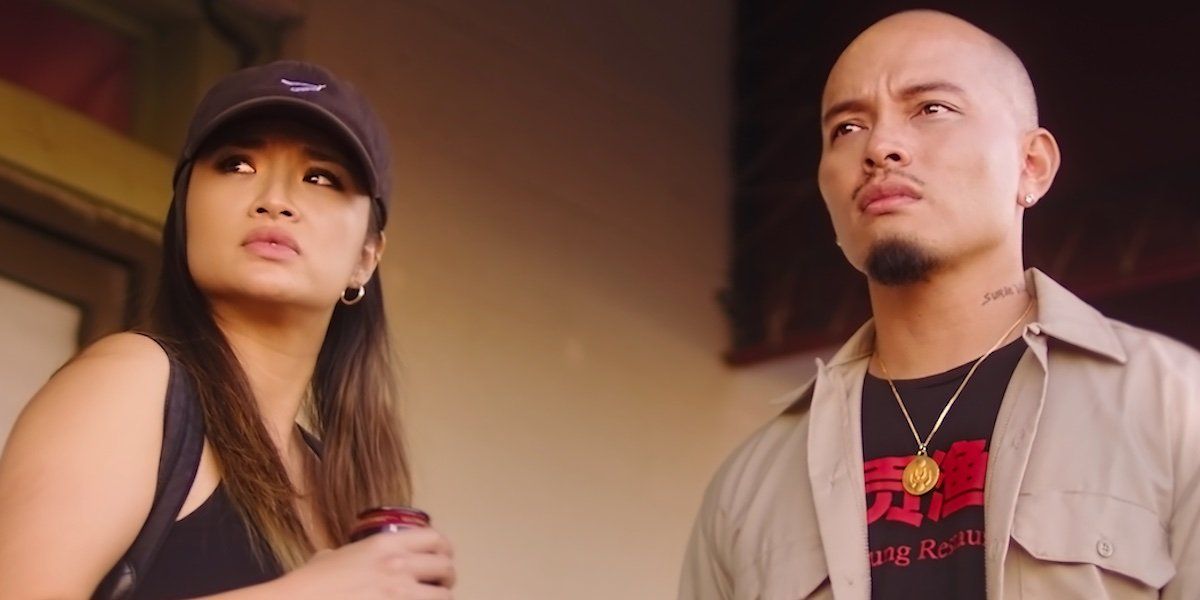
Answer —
(952, 318)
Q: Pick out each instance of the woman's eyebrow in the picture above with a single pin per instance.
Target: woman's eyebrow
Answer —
(249, 142)
(324, 155)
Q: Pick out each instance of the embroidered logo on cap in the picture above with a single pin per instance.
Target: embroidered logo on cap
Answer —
(302, 86)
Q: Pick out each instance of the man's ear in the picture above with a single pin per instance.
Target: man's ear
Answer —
(1039, 165)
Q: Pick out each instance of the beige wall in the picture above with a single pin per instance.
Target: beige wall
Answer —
(560, 231)
(37, 335)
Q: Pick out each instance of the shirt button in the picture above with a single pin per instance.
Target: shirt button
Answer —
(1104, 548)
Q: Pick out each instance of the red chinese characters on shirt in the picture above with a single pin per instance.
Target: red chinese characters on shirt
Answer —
(963, 470)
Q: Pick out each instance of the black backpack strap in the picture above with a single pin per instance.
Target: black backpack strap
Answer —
(183, 443)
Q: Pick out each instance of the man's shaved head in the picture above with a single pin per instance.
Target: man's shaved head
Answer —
(931, 147)
(1008, 72)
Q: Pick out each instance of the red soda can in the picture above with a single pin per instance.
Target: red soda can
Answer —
(382, 519)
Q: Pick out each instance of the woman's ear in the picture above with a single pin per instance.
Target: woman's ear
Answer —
(368, 260)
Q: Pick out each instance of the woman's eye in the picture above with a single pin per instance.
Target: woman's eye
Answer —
(844, 128)
(235, 164)
(323, 178)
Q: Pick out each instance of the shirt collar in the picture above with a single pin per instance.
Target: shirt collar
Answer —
(1060, 315)
(1067, 318)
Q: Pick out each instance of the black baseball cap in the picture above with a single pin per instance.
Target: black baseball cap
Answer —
(297, 89)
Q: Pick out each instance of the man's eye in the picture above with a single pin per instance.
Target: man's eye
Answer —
(323, 178)
(845, 128)
(235, 164)
(933, 108)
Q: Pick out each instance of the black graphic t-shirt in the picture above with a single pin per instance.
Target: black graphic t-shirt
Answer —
(931, 546)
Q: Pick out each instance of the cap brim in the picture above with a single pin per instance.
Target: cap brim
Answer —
(322, 116)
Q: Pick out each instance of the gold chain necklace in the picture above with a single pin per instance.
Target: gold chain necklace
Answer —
(922, 472)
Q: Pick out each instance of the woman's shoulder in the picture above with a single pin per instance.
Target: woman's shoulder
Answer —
(111, 394)
(127, 350)
(116, 384)
(91, 435)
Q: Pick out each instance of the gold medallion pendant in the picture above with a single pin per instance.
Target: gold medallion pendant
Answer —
(921, 475)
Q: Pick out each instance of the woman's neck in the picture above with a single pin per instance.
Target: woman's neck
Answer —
(278, 354)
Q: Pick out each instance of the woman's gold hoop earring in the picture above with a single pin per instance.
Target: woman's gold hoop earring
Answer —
(358, 296)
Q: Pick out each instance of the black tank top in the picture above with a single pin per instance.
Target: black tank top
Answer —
(207, 552)
(210, 550)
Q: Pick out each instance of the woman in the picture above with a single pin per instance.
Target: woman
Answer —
(271, 309)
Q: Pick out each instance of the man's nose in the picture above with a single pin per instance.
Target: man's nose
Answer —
(885, 149)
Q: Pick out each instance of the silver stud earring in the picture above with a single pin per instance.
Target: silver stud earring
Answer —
(1029, 200)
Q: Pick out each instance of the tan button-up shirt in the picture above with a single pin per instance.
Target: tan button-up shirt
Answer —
(1093, 479)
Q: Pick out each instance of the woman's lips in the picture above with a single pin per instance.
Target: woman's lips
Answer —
(271, 250)
(272, 243)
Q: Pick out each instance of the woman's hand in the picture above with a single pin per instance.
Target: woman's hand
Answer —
(413, 564)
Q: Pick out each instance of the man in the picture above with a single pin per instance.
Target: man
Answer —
(988, 434)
